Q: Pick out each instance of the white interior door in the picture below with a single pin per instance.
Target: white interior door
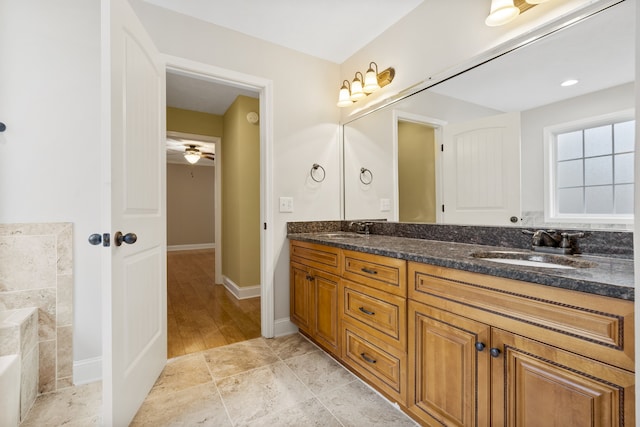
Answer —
(134, 282)
(481, 171)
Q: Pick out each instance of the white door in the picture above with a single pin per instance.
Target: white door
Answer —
(134, 281)
(481, 171)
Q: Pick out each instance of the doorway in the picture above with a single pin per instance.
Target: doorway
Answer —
(232, 317)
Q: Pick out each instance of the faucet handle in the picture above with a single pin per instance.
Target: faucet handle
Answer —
(566, 238)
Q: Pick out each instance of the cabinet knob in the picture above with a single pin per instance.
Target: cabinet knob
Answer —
(495, 352)
(480, 346)
(309, 277)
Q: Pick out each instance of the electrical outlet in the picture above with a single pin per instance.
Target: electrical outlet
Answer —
(385, 205)
(286, 204)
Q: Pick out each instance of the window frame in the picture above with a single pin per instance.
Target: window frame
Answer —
(550, 169)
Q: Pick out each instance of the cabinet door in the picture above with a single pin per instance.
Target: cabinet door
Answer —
(449, 367)
(539, 385)
(300, 298)
(326, 310)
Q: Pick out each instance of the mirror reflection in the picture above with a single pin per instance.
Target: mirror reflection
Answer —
(486, 146)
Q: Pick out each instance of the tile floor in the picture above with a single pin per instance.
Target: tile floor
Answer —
(285, 381)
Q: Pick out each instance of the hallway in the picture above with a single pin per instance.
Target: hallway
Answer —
(200, 314)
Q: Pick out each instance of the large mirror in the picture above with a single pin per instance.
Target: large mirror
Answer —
(480, 147)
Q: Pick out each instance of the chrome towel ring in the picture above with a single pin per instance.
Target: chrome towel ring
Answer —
(366, 176)
(314, 171)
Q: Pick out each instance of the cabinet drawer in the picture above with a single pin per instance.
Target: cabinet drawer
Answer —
(381, 314)
(599, 327)
(322, 257)
(380, 272)
(381, 364)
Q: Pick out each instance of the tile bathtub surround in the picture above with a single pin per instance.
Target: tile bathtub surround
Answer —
(595, 242)
(36, 270)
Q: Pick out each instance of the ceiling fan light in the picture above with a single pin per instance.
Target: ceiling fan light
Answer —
(502, 11)
(192, 155)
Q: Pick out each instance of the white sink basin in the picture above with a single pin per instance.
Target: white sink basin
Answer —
(526, 259)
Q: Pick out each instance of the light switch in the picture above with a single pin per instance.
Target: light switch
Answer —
(286, 204)
(385, 205)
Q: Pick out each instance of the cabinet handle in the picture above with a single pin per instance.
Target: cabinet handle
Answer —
(480, 346)
(368, 271)
(495, 352)
(365, 311)
(367, 358)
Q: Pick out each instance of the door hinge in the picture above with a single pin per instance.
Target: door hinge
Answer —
(442, 208)
(441, 147)
(265, 225)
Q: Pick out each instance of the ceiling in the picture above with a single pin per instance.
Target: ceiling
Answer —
(329, 29)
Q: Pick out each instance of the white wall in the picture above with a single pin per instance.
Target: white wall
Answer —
(50, 152)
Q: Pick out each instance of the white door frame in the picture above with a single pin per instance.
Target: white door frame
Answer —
(200, 70)
(436, 124)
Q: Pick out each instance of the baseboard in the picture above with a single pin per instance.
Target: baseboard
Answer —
(87, 371)
(191, 247)
(241, 292)
(283, 327)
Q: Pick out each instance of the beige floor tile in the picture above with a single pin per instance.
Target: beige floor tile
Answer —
(319, 372)
(254, 394)
(239, 357)
(291, 346)
(199, 405)
(180, 373)
(356, 405)
(310, 413)
(66, 406)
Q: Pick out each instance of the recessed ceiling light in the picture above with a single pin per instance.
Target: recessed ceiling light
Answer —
(569, 82)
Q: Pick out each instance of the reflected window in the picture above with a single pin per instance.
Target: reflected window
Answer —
(592, 170)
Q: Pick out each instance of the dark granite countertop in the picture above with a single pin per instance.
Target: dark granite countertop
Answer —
(612, 277)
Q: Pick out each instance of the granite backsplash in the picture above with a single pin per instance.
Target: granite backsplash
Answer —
(595, 242)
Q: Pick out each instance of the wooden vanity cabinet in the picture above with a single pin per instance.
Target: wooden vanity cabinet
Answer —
(314, 283)
(477, 357)
(373, 320)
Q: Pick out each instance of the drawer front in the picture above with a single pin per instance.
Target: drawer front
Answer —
(381, 313)
(383, 366)
(598, 326)
(384, 273)
(322, 257)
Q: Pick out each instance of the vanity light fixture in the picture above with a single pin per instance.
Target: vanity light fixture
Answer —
(502, 11)
(361, 86)
(192, 154)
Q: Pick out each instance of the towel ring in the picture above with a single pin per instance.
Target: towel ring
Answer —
(363, 176)
(314, 170)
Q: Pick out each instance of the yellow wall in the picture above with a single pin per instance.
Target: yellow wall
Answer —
(188, 121)
(416, 172)
(190, 205)
(240, 157)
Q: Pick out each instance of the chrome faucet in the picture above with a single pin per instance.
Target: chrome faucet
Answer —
(553, 241)
(361, 227)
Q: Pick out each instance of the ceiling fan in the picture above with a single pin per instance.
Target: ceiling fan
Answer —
(192, 151)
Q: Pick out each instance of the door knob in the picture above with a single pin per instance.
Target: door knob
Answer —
(95, 239)
(129, 238)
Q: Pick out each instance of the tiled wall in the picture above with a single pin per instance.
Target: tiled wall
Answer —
(36, 270)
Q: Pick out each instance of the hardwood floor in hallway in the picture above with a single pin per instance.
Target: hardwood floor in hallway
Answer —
(201, 314)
